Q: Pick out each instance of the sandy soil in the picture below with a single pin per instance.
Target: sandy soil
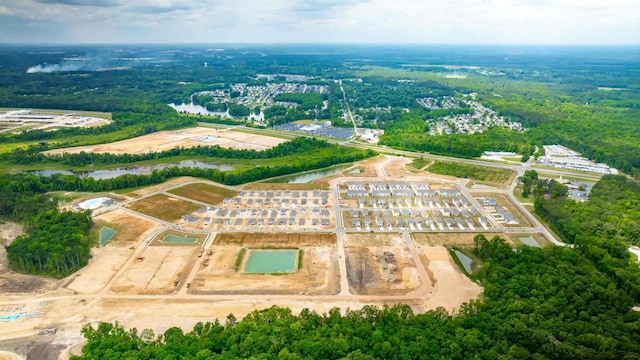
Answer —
(396, 166)
(156, 273)
(380, 264)
(5, 355)
(107, 260)
(452, 239)
(453, 287)
(164, 140)
(217, 274)
(9, 231)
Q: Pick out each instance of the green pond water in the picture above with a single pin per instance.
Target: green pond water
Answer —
(271, 261)
(175, 239)
(106, 234)
(465, 260)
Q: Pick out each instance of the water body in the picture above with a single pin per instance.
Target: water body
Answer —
(465, 260)
(192, 108)
(175, 239)
(271, 262)
(105, 235)
(309, 176)
(136, 170)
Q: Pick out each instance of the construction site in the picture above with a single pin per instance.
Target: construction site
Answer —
(193, 250)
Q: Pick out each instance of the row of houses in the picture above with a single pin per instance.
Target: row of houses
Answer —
(405, 191)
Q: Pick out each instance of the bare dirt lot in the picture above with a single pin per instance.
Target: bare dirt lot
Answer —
(107, 260)
(208, 193)
(453, 287)
(164, 207)
(318, 274)
(452, 239)
(165, 140)
(156, 270)
(384, 266)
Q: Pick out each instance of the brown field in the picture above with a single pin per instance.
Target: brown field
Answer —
(375, 239)
(382, 266)
(316, 185)
(165, 140)
(452, 239)
(164, 207)
(130, 228)
(156, 272)
(453, 288)
(207, 193)
(276, 239)
(107, 260)
(318, 274)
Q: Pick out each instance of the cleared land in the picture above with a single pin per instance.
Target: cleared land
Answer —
(156, 270)
(317, 275)
(451, 239)
(383, 265)
(452, 287)
(207, 193)
(164, 207)
(186, 138)
(107, 260)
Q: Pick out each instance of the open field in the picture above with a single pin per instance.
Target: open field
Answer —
(384, 269)
(156, 270)
(130, 228)
(500, 178)
(451, 239)
(453, 287)
(207, 193)
(163, 207)
(276, 239)
(186, 138)
(316, 185)
(317, 275)
(107, 260)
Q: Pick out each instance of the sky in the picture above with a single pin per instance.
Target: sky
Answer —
(321, 21)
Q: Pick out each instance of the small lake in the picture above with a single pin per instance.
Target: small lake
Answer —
(465, 260)
(271, 261)
(192, 108)
(303, 178)
(136, 170)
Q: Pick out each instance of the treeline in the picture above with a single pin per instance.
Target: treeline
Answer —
(57, 245)
(547, 303)
(411, 133)
(34, 155)
(469, 171)
(301, 154)
(601, 228)
(612, 212)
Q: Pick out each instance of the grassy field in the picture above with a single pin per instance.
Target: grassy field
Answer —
(495, 176)
(208, 193)
(164, 207)
(276, 239)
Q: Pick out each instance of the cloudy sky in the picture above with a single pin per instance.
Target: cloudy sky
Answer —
(321, 21)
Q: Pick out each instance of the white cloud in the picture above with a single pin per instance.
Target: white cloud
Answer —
(5, 10)
(370, 21)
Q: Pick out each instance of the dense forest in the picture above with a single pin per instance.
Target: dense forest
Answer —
(58, 244)
(547, 303)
